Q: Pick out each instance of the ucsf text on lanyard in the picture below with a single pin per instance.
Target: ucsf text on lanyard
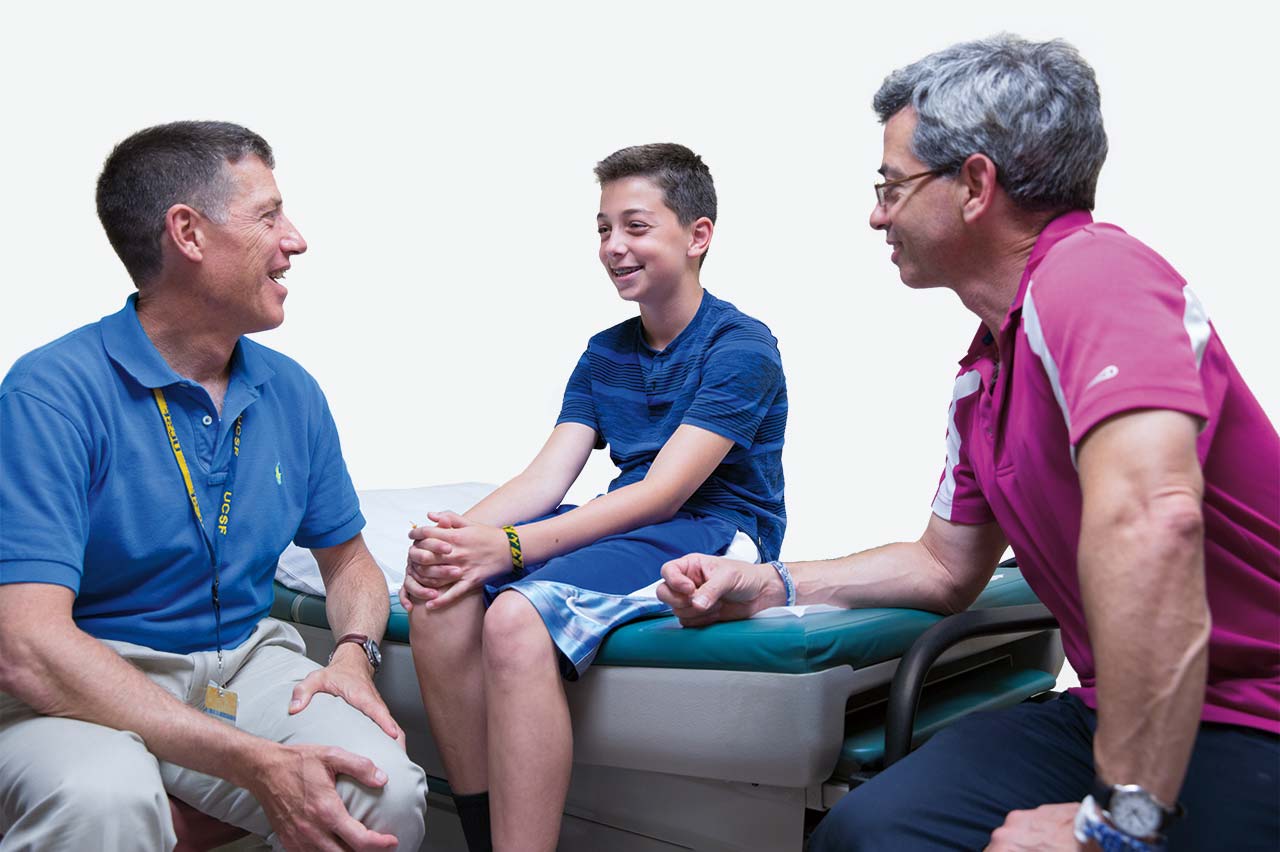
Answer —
(212, 539)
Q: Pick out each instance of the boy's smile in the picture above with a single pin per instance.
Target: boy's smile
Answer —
(621, 273)
(643, 246)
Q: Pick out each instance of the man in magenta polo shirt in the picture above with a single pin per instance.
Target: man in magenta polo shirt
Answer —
(1097, 426)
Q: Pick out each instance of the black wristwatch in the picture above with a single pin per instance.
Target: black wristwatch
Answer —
(370, 648)
(1133, 810)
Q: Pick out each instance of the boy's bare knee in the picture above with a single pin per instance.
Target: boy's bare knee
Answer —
(440, 631)
(515, 637)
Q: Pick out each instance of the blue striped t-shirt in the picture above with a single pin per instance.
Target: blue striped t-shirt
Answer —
(722, 373)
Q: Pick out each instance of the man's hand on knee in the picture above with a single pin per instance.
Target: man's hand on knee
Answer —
(1048, 827)
(703, 589)
(297, 790)
(347, 677)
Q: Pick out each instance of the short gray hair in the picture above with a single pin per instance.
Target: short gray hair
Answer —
(1033, 108)
(184, 162)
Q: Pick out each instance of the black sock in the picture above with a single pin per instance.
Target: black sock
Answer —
(473, 812)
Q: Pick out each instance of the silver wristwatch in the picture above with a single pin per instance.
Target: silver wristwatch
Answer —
(1132, 809)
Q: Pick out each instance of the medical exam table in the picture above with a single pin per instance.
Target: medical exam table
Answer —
(730, 736)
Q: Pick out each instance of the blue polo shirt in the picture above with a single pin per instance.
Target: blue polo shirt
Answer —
(91, 496)
(722, 373)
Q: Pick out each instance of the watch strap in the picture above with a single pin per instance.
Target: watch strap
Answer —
(357, 639)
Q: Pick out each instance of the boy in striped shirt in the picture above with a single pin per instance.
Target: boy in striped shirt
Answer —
(690, 398)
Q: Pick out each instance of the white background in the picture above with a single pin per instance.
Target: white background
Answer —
(439, 163)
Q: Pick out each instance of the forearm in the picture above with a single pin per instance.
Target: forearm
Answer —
(627, 508)
(519, 499)
(67, 673)
(904, 574)
(358, 603)
(944, 571)
(356, 597)
(1142, 580)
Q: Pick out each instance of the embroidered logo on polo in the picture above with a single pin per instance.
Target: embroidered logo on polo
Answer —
(279, 475)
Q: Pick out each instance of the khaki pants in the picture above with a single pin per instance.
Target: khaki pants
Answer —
(67, 784)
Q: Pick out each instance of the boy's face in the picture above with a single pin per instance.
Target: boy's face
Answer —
(643, 246)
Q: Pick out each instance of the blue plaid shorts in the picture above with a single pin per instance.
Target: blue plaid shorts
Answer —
(585, 593)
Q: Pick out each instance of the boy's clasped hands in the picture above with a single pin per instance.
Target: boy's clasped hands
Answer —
(451, 559)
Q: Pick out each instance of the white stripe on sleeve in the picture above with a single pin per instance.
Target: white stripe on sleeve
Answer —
(966, 384)
(1035, 338)
(1196, 321)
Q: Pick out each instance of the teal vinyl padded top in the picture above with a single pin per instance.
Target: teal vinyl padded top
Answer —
(784, 645)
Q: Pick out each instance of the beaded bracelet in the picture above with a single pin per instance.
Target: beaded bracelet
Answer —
(517, 556)
(787, 583)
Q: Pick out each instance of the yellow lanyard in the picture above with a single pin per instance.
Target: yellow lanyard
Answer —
(224, 509)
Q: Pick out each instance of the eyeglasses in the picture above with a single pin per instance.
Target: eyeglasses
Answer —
(885, 198)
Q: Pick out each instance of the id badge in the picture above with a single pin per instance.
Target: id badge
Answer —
(220, 703)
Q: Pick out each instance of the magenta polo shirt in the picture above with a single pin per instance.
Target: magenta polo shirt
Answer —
(1102, 325)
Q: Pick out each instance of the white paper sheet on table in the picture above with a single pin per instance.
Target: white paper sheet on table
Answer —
(389, 514)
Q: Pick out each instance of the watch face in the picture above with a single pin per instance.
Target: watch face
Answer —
(375, 656)
(1134, 812)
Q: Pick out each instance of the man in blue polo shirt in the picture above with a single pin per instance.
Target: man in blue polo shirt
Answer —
(153, 466)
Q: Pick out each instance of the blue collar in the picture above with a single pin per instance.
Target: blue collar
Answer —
(128, 345)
